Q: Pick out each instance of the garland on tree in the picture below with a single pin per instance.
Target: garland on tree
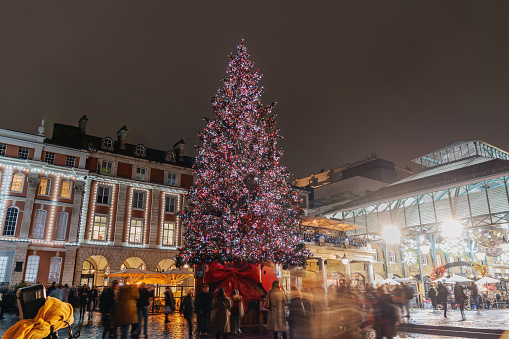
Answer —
(241, 208)
(438, 272)
(482, 270)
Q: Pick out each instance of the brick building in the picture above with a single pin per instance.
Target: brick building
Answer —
(133, 195)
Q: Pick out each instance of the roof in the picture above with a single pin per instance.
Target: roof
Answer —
(71, 136)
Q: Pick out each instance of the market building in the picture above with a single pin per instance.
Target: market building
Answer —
(41, 189)
(129, 212)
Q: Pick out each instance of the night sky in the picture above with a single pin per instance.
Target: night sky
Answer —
(398, 78)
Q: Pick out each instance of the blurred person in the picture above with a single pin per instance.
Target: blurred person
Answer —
(203, 307)
(221, 306)
(169, 303)
(83, 301)
(432, 295)
(237, 312)
(126, 312)
(276, 304)
(385, 317)
(398, 297)
(107, 309)
(65, 291)
(442, 294)
(409, 296)
(143, 308)
(297, 320)
(264, 310)
(56, 292)
(51, 288)
(460, 298)
(475, 295)
(186, 309)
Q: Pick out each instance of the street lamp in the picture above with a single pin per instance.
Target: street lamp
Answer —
(391, 234)
(345, 260)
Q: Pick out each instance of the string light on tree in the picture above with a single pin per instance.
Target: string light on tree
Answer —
(241, 207)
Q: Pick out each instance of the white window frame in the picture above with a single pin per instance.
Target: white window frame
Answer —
(392, 257)
(48, 186)
(106, 167)
(3, 268)
(135, 202)
(54, 270)
(140, 150)
(98, 222)
(23, 153)
(3, 150)
(49, 158)
(10, 222)
(17, 175)
(167, 204)
(375, 256)
(438, 259)
(32, 268)
(39, 224)
(70, 161)
(61, 226)
(171, 179)
(136, 230)
(62, 190)
(100, 198)
(424, 258)
(169, 233)
(107, 143)
(139, 175)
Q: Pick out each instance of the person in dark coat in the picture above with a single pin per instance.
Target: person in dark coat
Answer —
(143, 305)
(169, 303)
(475, 295)
(203, 307)
(442, 294)
(432, 295)
(186, 309)
(297, 320)
(460, 298)
(83, 301)
(386, 317)
(107, 308)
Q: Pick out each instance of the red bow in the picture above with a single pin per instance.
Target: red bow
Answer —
(241, 279)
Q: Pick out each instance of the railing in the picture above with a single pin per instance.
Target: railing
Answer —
(338, 240)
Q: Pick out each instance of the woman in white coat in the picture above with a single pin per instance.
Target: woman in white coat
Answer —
(276, 304)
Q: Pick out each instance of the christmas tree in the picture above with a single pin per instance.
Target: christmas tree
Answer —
(241, 207)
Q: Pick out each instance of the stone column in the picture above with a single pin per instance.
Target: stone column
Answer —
(322, 267)
(69, 263)
(20, 255)
(121, 211)
(79, 188)
(33, 180)
(371, 276)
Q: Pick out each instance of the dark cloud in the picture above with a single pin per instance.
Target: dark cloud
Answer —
(399, 78)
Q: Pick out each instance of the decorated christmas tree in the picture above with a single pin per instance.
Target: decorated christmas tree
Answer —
(241, 208)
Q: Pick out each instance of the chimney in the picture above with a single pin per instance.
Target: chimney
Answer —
(83, 124)
(178, 148)
(121, 137)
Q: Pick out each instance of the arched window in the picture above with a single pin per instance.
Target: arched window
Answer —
(140, 150)
(61, 226)
(18, 180)
(32, 268)
(107, 144)
(170, 156)
(11, 219)
(39, 224)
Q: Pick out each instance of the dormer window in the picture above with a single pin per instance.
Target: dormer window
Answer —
(170, 156)
(107, 144)
(140, 150)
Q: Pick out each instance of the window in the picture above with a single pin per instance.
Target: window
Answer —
(54, 270)
(172, 179)
(103, 195)
(140, 150)
(3, 150)
(424, 259)
(106, 167)
(23, 153)
(438, 259)
(136, 231)
(11, 219)
(169, 204)
(39, 224)
(141, 173)
(170, 156)
(107, 143)
(66, 190)
(100, 227)
(139, 199)
(3, 268)
(44, 186)
(70, 162)
(32, 268)
(49, 158)
(168, 233)
(375, 256)
(17, 182)
(61, 229)
(392, 257)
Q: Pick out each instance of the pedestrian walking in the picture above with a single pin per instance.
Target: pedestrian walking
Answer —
(57, 292)
(409, 296)
(398, 297)
(385, 317)
(237, 311)
(264, 310)
(297, 320)
(432, 295)
(186, 309)
(143, 307)
(442, 294)
(83, 301)
(126, 312)
(107, 308)
(475, 295)
(221, 314)
(460, 298)
(169, 303)
(276, 305)
(65, 291)
(203, 307)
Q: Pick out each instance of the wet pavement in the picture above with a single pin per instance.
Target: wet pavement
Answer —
(177, 327)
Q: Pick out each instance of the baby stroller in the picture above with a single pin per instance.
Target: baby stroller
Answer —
(30, 300)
